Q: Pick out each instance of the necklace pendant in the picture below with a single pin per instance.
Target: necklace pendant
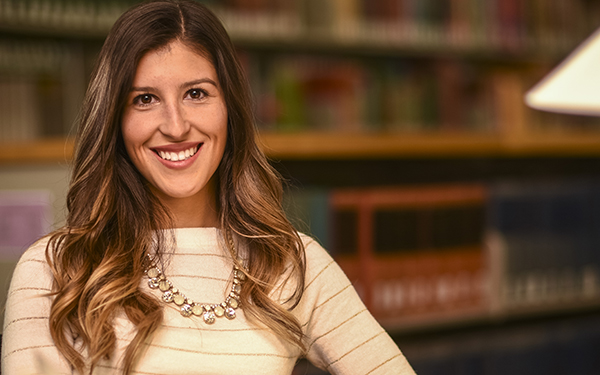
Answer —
(230, 313)
(167, 296)
(164, 285)
(186, 310)
(209, 317)
(153, 273)
(219, 310)
(233, 302)
(178, 299)
(197, 309)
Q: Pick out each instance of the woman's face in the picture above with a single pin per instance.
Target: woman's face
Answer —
(175, 123)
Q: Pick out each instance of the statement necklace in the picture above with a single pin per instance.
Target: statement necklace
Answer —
(209, 313)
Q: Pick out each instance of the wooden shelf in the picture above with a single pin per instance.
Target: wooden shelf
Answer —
(307, 146)
(55, 150)
(335, 145)
(347, 146)
(483, 317)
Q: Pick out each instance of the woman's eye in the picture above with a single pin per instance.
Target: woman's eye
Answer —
(196, 93)
(144, 99)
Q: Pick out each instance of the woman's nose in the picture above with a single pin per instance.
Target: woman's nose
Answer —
(174, 123)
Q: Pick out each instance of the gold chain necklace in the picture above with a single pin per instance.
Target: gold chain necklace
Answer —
(209, 313)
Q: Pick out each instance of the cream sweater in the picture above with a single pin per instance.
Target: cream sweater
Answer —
(341, 335)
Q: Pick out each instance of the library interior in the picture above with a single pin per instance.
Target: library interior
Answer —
(468, 222)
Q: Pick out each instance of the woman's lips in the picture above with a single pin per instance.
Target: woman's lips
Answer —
(177, 156)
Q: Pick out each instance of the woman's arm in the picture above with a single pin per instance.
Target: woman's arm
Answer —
(342, 337)
(27, 347)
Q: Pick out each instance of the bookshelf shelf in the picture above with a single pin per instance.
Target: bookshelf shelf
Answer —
(313, 145)
(478, 317)
(335, 145)
(76, 32)
(54, 150)
(354, 145)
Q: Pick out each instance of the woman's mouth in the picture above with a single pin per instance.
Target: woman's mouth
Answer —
(178, 156)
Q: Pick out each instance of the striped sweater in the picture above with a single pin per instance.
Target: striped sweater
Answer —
(341, 336)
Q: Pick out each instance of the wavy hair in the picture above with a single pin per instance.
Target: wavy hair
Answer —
(98, 258)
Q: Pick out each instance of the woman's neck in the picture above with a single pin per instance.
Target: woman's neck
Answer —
(199, 210)
(191, 214)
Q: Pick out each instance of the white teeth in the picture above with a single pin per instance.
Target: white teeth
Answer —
(181, 155)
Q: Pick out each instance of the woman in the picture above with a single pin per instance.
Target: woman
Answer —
(176, 256)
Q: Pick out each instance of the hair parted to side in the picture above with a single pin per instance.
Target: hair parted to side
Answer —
(98, 258)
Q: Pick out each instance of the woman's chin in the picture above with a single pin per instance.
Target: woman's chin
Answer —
(176, 193)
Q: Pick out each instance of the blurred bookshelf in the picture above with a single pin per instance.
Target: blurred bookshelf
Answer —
(315, 146)
(332, 79)
(378, 90)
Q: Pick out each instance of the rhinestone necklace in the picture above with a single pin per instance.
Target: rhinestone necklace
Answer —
(209, 313)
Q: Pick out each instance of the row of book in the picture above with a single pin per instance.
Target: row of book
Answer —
(546, 239)
(29, 57)
(34, 77)
(513, 25)
(309, 93)
(507, 25)
(427, 254)
(31, 108)
(95, 16)
(422, 255)
(297, 93)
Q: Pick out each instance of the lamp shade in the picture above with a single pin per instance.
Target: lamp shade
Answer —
(574, 86)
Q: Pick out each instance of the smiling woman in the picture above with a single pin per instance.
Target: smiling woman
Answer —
(177, 256)
(175, 129)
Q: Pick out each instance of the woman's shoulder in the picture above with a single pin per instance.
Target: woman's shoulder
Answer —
(32, 275)
(315, 252)
(36, 252)
(33, 262)
(320, 265)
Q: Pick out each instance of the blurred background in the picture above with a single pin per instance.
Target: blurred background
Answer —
(469, 224)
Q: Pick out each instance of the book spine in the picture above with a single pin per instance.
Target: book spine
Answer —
(547, 240)
(416, 255)
(42, 86)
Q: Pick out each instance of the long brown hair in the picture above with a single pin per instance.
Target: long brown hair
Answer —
(98, 258)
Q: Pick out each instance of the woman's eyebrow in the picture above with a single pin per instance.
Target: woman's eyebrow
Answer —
(144, 89)
(199, 81)
(183, 85)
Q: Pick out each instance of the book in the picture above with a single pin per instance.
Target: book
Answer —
(414, 254)
(308, 211)
(546, 242)
(25, 216)
(42, 85)
(20, 117)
